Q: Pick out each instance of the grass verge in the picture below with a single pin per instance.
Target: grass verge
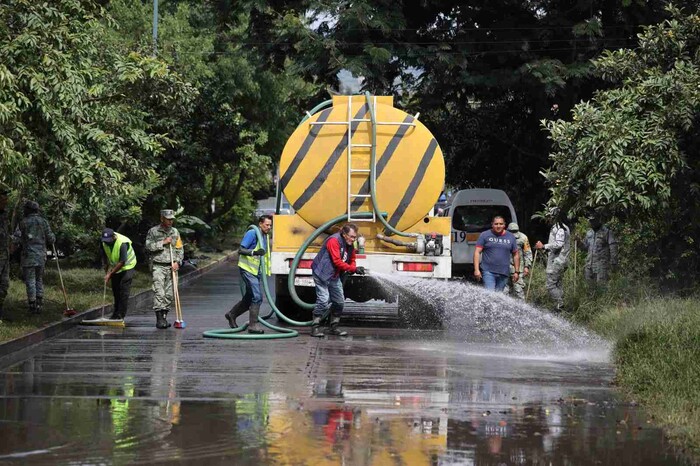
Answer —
(84, 287)
(657, 346)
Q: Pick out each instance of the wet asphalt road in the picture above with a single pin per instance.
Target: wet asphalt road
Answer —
(384, 396)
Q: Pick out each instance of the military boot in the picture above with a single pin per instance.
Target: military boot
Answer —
(32, 307)
(235, 312)
(161, 322)
(39, 304)
(253, 324)
(316, 327)
(334, 330)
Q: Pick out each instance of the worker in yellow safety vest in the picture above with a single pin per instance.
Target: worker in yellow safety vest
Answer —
(120, 261)
(250, 265)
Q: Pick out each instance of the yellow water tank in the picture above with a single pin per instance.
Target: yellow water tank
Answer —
(314, 167)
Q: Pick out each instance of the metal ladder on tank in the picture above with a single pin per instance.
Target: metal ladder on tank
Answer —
(350, 145)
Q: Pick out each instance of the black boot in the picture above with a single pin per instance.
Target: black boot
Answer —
(235, 312)
(32, 307)
(161, 322)
(253, 324)
(39, 304)
(334, 330)
(316, 327)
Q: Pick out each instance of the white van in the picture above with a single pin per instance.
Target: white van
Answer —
(472, 211)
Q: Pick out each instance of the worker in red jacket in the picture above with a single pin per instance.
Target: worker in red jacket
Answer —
(336, 257)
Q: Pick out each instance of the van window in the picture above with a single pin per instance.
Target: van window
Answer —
(477, 218)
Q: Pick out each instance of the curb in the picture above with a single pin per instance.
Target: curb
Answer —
(56, 328)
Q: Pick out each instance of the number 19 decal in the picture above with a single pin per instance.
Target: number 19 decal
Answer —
(459, 236)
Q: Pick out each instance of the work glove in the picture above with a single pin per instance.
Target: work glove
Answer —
(360, 270)
(259, 252)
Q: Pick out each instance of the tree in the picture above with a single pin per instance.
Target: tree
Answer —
(482, 74)
(632, 152)
(76, 115)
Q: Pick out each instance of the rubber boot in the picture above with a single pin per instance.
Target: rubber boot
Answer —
(32, 307)
(39, 304)
(235, 312)
(316, 327)
(253, 324)
(334, 330)
(161, 322)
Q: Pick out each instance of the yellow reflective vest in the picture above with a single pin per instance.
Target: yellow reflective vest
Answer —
(113, 253)
(251, 264)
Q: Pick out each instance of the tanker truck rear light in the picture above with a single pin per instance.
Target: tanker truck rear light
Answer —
(415, 266)
(303, 264)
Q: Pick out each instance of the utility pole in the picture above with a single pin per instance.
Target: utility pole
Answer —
(155, 27)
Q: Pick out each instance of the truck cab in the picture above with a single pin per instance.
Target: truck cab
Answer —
(471, 211)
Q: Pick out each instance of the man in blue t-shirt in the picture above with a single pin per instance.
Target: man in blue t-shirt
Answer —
(496, 246)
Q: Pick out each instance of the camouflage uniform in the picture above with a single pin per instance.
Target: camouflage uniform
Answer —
(558, 248)
(4, 257)
(159, 256)
(601, 246)
(525, 261)
(33, 234)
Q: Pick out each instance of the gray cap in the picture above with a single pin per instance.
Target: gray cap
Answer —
(512, 226)
(167, 213)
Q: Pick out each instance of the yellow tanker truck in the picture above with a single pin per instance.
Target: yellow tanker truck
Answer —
(359, 159)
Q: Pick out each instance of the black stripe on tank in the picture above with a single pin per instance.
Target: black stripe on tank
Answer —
(330, 163)
(304, 149)
(383, 160)
(415, 183)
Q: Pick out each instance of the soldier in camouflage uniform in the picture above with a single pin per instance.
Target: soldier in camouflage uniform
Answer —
(33, 234)
(601, 245)
(159, 241)
(558, 248)
(525, 264)
(4, 248)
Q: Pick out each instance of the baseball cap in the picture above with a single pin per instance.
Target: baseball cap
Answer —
(512, 226)
(107, 235)
(167, 213)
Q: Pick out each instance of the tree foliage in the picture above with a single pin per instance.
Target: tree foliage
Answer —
(632, 151)
(76, 115)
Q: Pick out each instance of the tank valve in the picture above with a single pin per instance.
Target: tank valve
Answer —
(361, 244)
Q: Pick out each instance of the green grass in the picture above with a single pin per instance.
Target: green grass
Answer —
(657, 345)
(84, 287)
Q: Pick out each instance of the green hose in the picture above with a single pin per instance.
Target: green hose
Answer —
(289, 333)
(233, 333)
(322, 105)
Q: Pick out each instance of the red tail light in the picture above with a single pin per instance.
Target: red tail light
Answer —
(415, 266)
(303, 264)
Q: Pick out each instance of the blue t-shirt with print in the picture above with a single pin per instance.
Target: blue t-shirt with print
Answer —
(496, 251)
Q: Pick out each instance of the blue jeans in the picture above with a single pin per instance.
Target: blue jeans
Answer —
(494, 281)
(329, 295)
(253, 293)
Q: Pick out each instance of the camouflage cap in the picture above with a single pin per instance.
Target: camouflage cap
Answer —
(512, 226)
(31, 205)
(167, 213)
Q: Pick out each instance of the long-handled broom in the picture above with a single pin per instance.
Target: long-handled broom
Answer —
(103, 321)
(179, 322)
(532, 271)
(69, 311)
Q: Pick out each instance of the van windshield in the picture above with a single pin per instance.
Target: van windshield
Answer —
(477, 218)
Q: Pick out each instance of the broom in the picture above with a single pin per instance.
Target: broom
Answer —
(102, 320)
(69, 311)
(179, 322)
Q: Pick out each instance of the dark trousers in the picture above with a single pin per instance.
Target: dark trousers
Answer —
(121, 286)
